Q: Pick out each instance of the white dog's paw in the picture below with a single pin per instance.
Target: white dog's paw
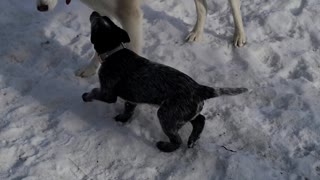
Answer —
(239, 39)
(194, 36)
(86, 71)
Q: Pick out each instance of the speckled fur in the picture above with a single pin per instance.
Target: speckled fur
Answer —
(135, 79)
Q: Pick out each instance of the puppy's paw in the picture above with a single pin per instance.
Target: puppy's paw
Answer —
(123, 118)
(86, 71)
(167, 146)
(85, 97)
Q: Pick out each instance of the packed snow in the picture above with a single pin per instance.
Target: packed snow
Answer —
(269, 133)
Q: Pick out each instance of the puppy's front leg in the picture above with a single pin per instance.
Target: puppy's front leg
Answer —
(127, 113)
(239, 37)
(97, 94)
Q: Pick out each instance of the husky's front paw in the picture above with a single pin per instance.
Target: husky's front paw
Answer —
(239, 39)
(194, 36)
(86, 71)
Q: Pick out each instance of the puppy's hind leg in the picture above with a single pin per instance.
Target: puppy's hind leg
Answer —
(197, 31)
(197, 125)
(171, 122)
(175, 141)
(127, 113)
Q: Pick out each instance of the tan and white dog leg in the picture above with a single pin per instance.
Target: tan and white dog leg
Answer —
(239, 37)
(197, 31)
(89, 69)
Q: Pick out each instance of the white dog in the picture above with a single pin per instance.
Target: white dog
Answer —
(129, 14)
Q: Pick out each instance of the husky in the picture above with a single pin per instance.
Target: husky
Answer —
(129, 14)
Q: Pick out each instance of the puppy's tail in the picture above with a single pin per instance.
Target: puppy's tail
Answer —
(206, 92)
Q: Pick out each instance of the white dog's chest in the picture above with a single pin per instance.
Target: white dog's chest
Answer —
(104, 7)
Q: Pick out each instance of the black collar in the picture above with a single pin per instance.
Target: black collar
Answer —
(103, 56)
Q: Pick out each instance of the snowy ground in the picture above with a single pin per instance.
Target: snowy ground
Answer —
(273, 132)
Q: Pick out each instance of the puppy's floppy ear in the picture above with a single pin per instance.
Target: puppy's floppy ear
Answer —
(93, 38)
(124, 37)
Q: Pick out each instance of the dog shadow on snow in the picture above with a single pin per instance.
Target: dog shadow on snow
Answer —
(36, 65)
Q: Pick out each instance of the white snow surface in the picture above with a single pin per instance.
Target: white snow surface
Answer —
(269, 133)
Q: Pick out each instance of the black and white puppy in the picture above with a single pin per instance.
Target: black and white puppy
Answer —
(135, 79)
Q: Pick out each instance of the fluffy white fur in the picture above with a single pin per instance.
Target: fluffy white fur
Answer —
(129, 14)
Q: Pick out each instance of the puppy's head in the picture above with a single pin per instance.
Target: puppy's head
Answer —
(105, 35)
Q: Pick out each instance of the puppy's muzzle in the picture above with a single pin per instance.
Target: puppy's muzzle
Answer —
(94, 15)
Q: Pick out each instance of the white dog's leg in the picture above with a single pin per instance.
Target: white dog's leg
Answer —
(130, 17)
(89, 69)
(239, 37)
(197, 31)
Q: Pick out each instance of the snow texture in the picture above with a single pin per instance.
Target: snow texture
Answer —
(270, 133)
